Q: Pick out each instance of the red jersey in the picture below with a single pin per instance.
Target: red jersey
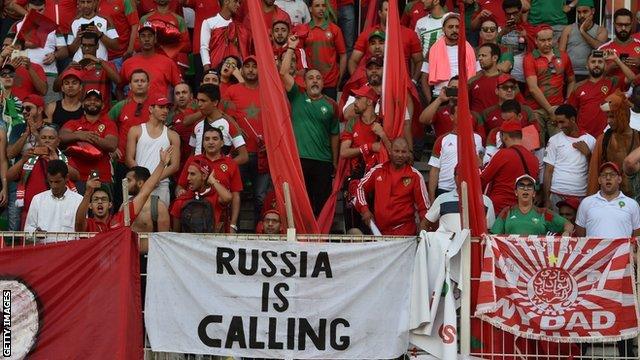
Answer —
(103, 127)
(360, 135)
(267, 17)
(127, 114)
(184, 131)
(163, 72)
(203, 10)
(114, 221)
(398, 193)
(146, 6)
(323, 46)
(22, 84)
(410, 42)
(225, 169)
(63, 12)
(123, 15)
(224, 86)
(413, 12)
(503, 170)
(491, 117)
(209, 194)
(482, 92)
(443, 121)
(551, 75)
(94, 76)
(587, 98)
(495, 6)
(631, 47)
(243, 103)
(174, 19)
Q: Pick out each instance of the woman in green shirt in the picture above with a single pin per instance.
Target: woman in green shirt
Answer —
(526, 219)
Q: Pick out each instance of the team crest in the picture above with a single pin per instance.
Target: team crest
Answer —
(406, 181)
(99, 25)
(637, 49)
(324, 110)
(329, 34)
(101, 128)
(604, 89)
(116, 8)
(224, 167)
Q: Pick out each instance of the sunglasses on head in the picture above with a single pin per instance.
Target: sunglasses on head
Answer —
(489, 29)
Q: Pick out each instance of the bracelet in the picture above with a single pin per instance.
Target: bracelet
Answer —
(234, 227)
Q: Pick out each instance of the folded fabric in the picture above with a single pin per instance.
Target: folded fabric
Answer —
(439, 66)
(84, 150)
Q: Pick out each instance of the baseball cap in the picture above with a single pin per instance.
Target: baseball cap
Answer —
(511, 126)
(570, 202)
(504, 78)
(374, 60)
(523, 177)
(449, 16)
(36, 100)
(611, 165)
(71, 72)
(213, 72)
(93, 92)
(377, 33)
(161, 101)
(250, 58)
(147, 26)
(366, 91)
(281, 17)
(202, 166)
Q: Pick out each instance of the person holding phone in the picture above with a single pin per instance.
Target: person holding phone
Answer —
(89, 21)
(624, 45)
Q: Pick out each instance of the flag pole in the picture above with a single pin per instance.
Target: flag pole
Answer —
(125, 201)
(291, 226)
(465, 301)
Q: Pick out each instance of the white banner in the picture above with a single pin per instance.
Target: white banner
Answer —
(275, 299)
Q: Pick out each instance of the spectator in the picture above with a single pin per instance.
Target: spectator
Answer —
(163, 72)
(30, 170)
(270, 11)
(568, 209)
(226, 173)
(271, 223)
(566, 160)
(88, 21)
(590, 93)
(228, 9)
(193, 211)
(440, 113)
(98, 200)
(325, 48)
(203, 9)
(92, 138)
(32, 113)
(185, 106)
(347, 22)
(548, 71)
(125, 19)
(470, 8)
(208, 101)
(413, 11)
(609, 213)
(507, 165)
(296, 9)
(480, 86)
(489, 9)
(29, 75)
(230, 73)
(615, 144)
(374, 68)
(626, 46)
(443, 57)
(410, 43)
(316, 129)
(525, 218)
(430, 27)
(506, 90)
(172, 29)
(212, 76)
(580, 38)
(444, 160)
(550, 12)
(147, 220)
(145, 141)
(280, 32)
(70, 107)
(517, 36)
(634, 98)
(394, 212)
(444, 213)
(53, 210)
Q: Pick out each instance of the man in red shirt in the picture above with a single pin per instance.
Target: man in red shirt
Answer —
(30, 77)
(280, 31)
(399, 191)
(124, 17)
(410, 43)
(489, 9)
(481, 86)
(413, 11)
(507, 165)
(98, 199)
(184, 105)
(590, 93)
(171, 30)
(96, 73)
(627, 47)
(506, 89)
(163, 72)
(325, 48)
(547, 71)
(92, 138)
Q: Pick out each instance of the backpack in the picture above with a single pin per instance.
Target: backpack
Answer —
(197, 216)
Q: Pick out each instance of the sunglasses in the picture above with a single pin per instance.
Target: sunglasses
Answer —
(138, 111)
(7, 74)
(489, 29)
(528, 186)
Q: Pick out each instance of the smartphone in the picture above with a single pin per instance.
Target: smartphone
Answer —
(18, 54)
(597, 53)
(40, 150)
(451, 91)
(84, 27)
(624, 56)
(94, 174)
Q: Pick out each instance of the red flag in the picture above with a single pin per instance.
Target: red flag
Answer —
(36, 28)
(282, 151)
(74, 300)
(372, 17)
(394, 79)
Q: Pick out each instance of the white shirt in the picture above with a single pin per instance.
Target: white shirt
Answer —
(429, 29)
(297, 10)
(613, 219)
(205, 35)
(36, 55)
(452, 53)
(445, 158)
(103, 25)
(53, 214)
(198, 131)
(570, 166)
(445, 208)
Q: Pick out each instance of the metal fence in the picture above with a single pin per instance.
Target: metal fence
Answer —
(512, 348)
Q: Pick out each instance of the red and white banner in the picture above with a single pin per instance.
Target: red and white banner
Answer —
(559, 289)
(72, 300)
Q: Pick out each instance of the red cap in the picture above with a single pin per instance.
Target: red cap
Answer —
(161, 101)
(542, 28)
(271, 211)
(511, 126)
(366, 91)
(612, 165)
(36, 100)
(281, 17)
(71, 72)
(250, 58)
(571, 202)
(503, 78)
(202, 166)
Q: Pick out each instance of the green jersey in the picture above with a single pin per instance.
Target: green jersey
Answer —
(535, 222)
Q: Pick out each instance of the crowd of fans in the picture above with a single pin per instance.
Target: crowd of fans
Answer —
(167, 94)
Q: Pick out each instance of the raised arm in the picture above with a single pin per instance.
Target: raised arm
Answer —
(152, 181)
